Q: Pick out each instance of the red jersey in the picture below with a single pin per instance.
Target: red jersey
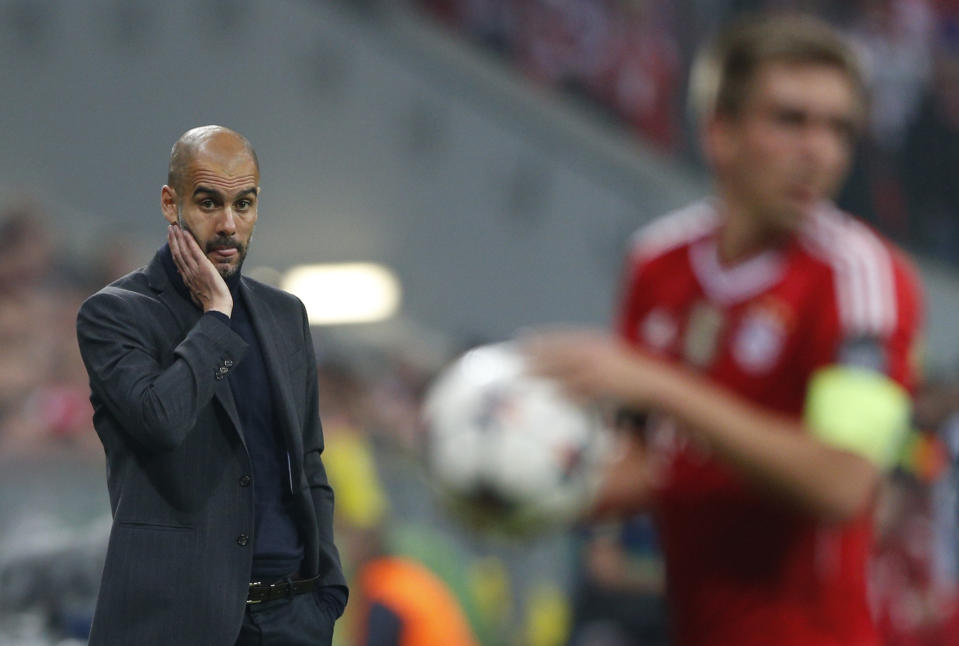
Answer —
(743, 568)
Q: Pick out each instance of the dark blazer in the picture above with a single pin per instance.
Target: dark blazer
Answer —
(181, 547)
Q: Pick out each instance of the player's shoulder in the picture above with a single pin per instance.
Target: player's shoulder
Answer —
(847, 244)
(867, 270)
(673, 231)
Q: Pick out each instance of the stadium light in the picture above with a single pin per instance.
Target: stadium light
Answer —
(346, 293)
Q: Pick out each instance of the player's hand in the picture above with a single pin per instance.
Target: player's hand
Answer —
(207, 287)
(593, 366)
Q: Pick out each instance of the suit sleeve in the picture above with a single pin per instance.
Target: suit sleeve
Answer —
(315, 472)
(156, 404)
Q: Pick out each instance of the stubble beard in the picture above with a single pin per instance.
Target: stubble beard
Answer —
(225, 272)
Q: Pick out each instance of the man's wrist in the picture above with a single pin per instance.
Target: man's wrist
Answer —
(224, 308)
(222, 316)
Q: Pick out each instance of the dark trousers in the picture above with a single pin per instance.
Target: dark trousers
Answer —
(297, 621)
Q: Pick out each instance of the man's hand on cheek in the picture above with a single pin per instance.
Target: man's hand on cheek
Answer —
(201, 277)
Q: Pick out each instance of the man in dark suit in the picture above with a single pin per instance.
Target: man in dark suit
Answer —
(205, 399)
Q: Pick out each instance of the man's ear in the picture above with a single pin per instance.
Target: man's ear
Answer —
(168, 204)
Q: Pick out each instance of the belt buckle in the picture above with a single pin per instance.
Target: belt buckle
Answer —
(250, 602)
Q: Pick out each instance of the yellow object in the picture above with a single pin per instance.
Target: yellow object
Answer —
(490, 585)
(547, 616)
(860, 411)
(350, 467)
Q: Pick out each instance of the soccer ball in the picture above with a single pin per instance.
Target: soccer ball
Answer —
(506, 449)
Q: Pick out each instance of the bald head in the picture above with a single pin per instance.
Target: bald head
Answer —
(213, 192)
(209, 140)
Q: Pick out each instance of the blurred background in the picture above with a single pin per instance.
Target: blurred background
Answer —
(490, 159)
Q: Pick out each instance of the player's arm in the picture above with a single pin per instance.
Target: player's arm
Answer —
(831, 480)
(829, 463)
(856, 414)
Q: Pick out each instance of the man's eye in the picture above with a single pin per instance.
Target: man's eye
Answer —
(207, 204)
(244, 204)
(790, 117)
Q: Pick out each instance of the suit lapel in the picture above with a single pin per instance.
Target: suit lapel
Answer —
(267, 332)
(186, 315)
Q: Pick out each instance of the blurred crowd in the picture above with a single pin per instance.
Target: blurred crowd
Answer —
(51, 538)
(43, 386)
(592, 586)
(629, 60)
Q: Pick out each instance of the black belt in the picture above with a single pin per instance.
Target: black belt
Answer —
(260, 592)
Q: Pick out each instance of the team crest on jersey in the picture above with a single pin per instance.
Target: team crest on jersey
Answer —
(658, 330)
(702, 334)
(759, 341)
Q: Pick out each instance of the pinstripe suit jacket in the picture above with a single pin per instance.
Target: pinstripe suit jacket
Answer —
(181, 547)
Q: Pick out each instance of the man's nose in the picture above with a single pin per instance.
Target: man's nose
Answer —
(822, 143)
(226, 223)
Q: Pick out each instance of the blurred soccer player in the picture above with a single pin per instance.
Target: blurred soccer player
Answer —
(769, 337)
